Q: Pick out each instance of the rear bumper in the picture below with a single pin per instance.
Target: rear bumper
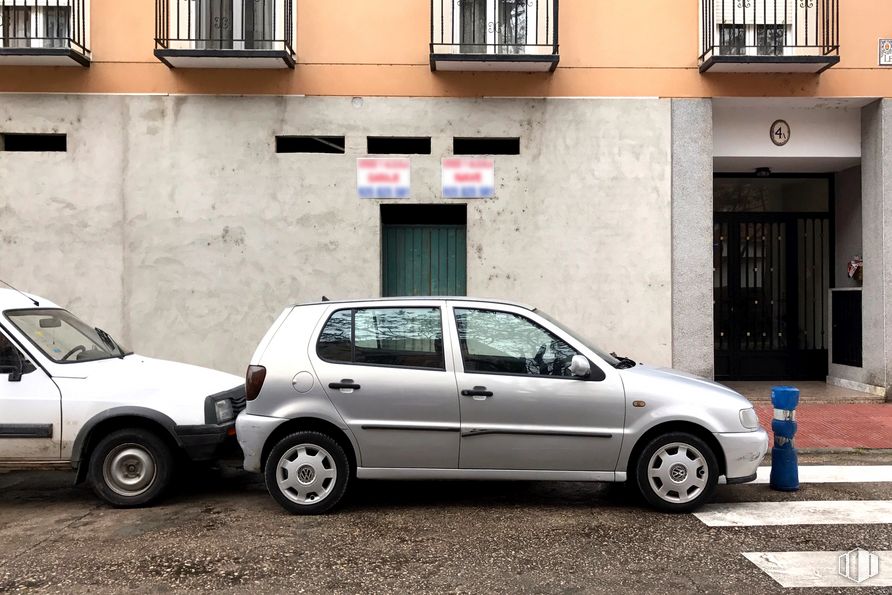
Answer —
(743, 453)
(253, 432)
(209, 441)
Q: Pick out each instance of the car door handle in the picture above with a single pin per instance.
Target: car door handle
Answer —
(477, 391)
(344, 384)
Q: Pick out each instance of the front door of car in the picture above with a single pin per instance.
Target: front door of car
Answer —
(521, 408)
(30, 408)
(386, 371)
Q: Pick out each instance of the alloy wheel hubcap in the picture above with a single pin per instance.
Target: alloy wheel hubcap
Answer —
(129, 470)
(677, 473)
(306, 474)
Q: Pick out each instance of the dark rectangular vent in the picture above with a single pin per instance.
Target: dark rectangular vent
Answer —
(310, 144)
(33, 143)
(486, 146)
(399, 145)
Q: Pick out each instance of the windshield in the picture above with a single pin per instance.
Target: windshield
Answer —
(613, 361)
(64, 338)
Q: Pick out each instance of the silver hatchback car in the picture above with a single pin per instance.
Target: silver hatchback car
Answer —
(457, 388)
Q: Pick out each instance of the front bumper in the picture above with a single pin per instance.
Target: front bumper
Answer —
(208, 441)
(743, 453)
(253, 432)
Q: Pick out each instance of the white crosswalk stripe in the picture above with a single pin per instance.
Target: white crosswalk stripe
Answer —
(835, 474)
(829, 512)
(818, 569)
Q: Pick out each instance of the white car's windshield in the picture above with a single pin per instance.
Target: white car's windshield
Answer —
(613, 360)
(62, 337)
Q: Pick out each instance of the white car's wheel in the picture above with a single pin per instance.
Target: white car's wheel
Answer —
(131, 468)
(307, 473)
(677, 472)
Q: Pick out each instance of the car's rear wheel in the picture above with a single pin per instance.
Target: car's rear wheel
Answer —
(307, 473)
(131, 468)
(676, 472)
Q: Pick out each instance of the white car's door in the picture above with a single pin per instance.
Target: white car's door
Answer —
(30, 408)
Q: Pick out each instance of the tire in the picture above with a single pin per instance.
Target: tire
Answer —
(676, 472)
(307, 473)
(131, 468)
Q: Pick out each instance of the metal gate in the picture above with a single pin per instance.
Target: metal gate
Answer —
(771, 276)
(424, 260)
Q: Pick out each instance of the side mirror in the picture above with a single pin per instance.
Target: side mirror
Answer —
(580, 367)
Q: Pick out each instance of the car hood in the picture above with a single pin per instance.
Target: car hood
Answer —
(149, 373)
(661, 378)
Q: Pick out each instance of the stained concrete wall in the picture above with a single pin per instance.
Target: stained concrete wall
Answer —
(172, 222)
(692, 214)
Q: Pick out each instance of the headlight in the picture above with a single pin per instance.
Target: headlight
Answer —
(749, 419)
(223, 409)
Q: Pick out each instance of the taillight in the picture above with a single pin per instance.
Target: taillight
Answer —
(254, 381)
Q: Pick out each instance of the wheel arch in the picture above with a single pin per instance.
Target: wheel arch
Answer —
(676, 426)
(312, 424)
(119, 418)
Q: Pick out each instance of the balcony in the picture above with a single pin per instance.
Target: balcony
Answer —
(494, 35)
(769, 35)
(225, 33)
(44, 33)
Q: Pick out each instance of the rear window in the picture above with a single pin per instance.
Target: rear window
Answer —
(400, 337)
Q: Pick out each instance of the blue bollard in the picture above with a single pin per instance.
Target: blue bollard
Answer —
(784, 464)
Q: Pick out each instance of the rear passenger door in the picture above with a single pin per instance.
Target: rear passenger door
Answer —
(385, 368)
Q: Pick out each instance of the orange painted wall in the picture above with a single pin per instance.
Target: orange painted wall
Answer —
(380, 47)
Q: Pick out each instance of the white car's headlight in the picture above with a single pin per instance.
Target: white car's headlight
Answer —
(749, 419)
(223, 409)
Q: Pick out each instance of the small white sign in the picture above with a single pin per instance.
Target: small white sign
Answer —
(885, 52)
(383, 177)
(469, 177)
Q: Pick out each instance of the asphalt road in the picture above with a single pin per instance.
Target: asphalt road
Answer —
(221, 532)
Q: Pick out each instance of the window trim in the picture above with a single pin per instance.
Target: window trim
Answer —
(353, 361)
(596, 374)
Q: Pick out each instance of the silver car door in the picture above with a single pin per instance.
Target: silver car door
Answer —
(388, 370)
(30, 408)
(520, 407)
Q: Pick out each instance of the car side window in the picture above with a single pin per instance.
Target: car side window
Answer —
(402, 337)
(11, 359)
(507, 343)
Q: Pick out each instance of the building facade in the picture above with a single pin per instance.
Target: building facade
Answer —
(685, 182)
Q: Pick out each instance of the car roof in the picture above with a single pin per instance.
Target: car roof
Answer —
(439, 298)
(13, 300)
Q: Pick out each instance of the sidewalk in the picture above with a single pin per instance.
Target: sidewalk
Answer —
(842, 425)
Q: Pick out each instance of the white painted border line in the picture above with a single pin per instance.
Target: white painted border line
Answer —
(815, 512)
(816, 569)
(835, 474)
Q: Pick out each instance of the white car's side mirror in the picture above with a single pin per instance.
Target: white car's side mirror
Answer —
(580, 367)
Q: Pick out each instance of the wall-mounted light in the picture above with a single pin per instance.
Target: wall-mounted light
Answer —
(763, 172)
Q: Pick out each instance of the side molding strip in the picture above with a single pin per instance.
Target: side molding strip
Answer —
(26, 430)
(488, 431)
(410, 428)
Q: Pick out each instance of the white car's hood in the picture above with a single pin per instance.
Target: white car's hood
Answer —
(148, 374)
(646, 374)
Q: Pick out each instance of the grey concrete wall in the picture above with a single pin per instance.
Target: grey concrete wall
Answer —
(692, 237)
(848, 223)
(876, 199)
(172, 221)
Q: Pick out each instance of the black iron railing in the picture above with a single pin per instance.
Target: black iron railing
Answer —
(494, 27)
(44, 24)
(224, 25)
(769, 28)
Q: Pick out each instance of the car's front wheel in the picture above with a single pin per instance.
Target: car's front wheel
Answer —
(307, 473)
(131, 468)
(677, 472)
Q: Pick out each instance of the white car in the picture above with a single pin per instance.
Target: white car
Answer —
(70, 394)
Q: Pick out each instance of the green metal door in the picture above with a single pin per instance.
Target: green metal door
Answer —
(424, 260)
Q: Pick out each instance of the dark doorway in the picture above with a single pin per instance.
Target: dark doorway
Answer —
(772, 271)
